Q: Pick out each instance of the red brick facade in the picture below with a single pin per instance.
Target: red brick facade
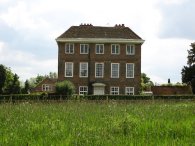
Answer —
(107, 58)
(171, 90)
(47, 85)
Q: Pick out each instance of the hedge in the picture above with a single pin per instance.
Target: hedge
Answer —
(45, 96)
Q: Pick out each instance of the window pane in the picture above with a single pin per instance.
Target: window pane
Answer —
(99, 70)
(129, 90)
(99, 49)
(84, 48)
(115, 70)
(68, 69)
(84, 69)
(129, 70)
(114, 90)
(69, 48)
(83, 90)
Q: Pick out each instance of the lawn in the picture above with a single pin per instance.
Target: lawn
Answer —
(90, 123)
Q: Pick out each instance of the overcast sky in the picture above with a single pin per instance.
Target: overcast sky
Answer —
(28, 30)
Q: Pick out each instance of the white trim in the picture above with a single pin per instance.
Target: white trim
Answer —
(98, 85)
(100, 40)
(102, 70)
(72, 69)
(133, 70)
(80, 69)
(118, 70)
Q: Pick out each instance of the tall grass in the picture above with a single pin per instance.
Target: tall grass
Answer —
(98, 123)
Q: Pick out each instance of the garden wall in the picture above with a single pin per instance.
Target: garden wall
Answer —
(171, 90)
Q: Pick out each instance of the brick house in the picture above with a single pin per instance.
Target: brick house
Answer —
(47, 85)
(100, 60)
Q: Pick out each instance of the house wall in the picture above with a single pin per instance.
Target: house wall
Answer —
(47, 81)
(107, 58)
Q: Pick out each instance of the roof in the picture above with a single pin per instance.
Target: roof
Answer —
(90, 31)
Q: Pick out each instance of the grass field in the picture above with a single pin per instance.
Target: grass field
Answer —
(90, 123)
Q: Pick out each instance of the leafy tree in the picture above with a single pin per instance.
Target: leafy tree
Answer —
(34, 81)
(146, 83)
(26, 88)
(13, 86)
(53, 75)
(65, 88)
(2, 77)
(188, 72)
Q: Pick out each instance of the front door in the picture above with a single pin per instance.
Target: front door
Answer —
(98, 90)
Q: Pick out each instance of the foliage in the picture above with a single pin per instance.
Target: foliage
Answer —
(11, 83)
(50, 97)
(98, 123)
(65, 88)
(146, 83)
(188, 72)
(2, 77)
(34, 81)
(26, 88)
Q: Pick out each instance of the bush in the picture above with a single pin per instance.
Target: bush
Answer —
(65, 88)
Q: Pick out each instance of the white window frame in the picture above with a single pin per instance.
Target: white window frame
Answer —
(129, 90)
(68, 49)
(72, 69)
(97, 50)
(114, 90)
(128, 75)
(112, 76)
(83, 90)
(47, 87)
(81, 69)
(131, 48)
(96, 70)
(85, 47)
(114, 50)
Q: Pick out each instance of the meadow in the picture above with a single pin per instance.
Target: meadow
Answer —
(101, 123)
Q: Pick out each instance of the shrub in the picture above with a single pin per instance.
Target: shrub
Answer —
(65, 88)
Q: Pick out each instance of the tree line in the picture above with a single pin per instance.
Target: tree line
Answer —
(10, 83)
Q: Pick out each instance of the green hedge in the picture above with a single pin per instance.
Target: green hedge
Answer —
(45, 96)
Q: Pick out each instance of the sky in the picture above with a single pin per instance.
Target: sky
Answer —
(28, 30)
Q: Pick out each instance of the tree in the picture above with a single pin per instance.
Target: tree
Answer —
(2, 77)
(146, 83)
(13, 86)
(188, 72)
(65, 88)
(26, 88)
(52, 75)
(191, 55)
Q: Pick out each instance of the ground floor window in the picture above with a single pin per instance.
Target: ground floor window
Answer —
(129, 90)
(83, 90)
(114, 90)
(47, 87)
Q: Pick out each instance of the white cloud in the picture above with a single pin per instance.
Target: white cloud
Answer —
(24, 64)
